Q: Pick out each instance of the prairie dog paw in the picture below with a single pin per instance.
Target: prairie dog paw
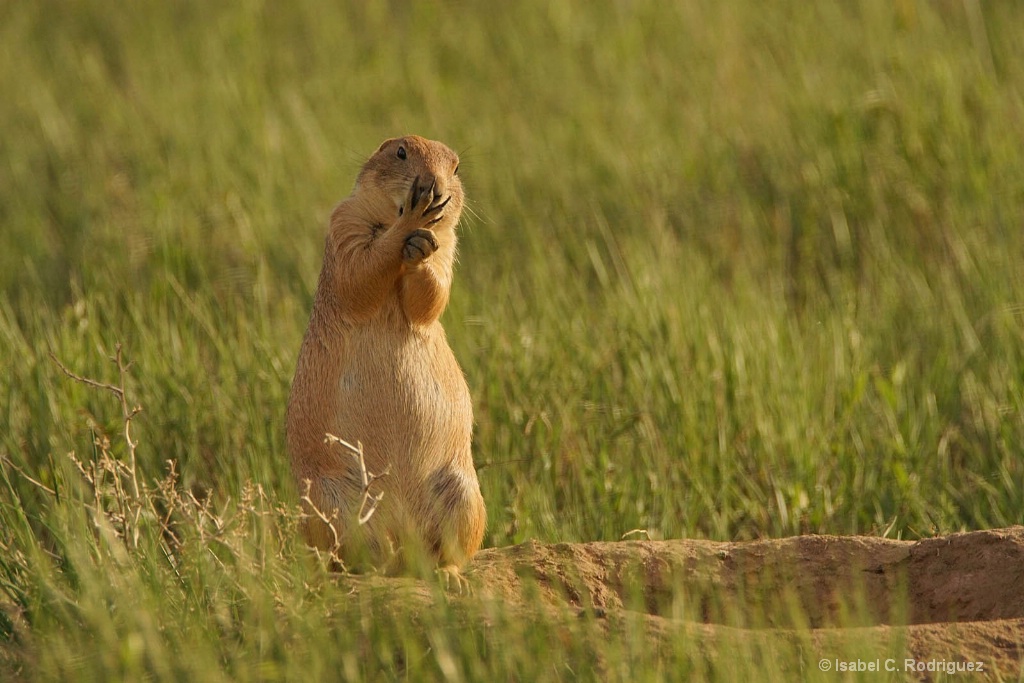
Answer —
(423, 206)
(420, 244)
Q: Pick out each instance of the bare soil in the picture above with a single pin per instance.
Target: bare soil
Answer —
(949, 598)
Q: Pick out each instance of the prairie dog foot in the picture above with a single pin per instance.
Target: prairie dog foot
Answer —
(453, 580)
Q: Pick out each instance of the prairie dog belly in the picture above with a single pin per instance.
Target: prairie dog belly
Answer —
(404, 397)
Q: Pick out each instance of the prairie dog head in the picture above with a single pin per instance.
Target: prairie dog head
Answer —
(387, 177)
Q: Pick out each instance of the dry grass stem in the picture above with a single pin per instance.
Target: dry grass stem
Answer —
(326, 519)
(369, 502)
(636, 532)
(25, 475)
(127, 413)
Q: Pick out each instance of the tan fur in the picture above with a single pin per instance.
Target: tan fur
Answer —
(375, 366)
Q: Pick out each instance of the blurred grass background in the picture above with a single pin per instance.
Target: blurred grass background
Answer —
(734, 270)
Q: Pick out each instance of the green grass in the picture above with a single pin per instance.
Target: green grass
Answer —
(734, 270)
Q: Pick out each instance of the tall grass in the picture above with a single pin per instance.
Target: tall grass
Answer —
(732, 270)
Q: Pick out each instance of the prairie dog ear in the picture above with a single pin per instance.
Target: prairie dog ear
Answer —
(385, 144)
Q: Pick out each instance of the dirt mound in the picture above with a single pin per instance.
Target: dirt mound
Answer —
(976, 576)
(958, 597)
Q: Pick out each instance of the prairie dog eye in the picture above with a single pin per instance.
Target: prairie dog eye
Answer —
(456, 170)
(401, 152)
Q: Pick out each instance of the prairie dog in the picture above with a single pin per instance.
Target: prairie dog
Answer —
(375, 367)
